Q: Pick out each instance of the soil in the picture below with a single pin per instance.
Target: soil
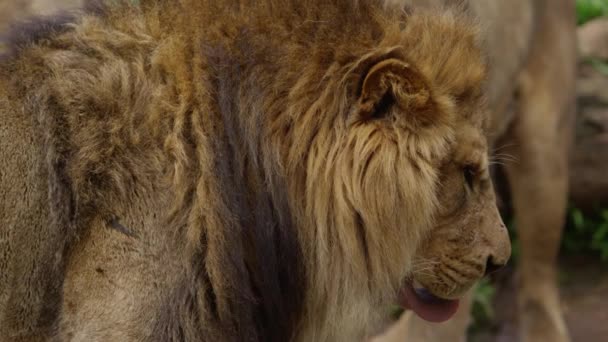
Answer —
(584, 288)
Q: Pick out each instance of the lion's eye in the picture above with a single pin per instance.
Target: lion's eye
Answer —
(469, 175)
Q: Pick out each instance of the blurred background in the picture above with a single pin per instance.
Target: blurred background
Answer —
(584, 250)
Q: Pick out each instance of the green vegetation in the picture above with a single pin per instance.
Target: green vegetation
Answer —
(589, 9)
(600, 65)
(587, 234)
(483, 307)
(396, 311)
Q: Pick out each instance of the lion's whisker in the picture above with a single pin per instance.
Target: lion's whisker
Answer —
(502, 147)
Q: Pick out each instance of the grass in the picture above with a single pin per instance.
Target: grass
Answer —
(483, 307)
(587, 234)
(589, 9)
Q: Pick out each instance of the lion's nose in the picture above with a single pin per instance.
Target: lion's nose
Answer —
(493, 265)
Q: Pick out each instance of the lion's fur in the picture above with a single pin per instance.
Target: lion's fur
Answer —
(218, 141)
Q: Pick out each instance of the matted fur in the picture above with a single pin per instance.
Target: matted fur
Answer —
(234, 126)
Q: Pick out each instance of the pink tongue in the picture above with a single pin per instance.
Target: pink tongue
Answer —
(436, 311)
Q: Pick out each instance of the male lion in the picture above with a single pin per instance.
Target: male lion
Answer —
(531, 46)
(240, 170)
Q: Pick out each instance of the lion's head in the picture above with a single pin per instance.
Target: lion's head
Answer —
(388, 176)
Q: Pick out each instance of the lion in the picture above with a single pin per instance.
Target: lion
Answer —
(531, 47)
(242, 171)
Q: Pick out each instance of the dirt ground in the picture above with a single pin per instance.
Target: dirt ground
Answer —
(586, 300)
(584, 288)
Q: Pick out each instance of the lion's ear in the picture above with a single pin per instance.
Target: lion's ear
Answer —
(394, 84)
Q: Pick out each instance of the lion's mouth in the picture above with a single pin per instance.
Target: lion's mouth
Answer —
(426, 305)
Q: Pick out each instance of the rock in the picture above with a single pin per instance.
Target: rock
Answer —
(589, 158)
(593, 39)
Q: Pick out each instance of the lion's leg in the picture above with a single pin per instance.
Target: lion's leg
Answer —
(539, 175)
(539, 185)
(539, 188)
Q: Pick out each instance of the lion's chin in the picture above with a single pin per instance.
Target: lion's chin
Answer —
(426, 305)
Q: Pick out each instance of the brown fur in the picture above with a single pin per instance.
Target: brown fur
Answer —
(250, 170)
